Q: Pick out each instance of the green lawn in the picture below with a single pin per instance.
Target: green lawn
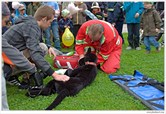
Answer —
(103, 94)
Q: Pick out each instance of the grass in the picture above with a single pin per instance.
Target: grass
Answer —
(103, 94)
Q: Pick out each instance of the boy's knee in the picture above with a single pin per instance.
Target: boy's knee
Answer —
(44, 48)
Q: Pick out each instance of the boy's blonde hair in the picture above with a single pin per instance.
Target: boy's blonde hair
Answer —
(148, 3)
(44, 11)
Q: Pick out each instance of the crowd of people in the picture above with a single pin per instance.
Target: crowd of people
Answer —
(30, 30)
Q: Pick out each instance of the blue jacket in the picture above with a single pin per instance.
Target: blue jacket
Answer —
(130, 9)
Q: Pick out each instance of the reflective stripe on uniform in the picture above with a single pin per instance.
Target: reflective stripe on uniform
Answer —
(102, 40)
(110, 27)
(86, 48)
(118, 41)
(105, 57)
(80, 42)
(110, 9)
(87, 29)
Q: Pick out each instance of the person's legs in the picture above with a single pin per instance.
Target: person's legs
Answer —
(113, 62)
(147, 44)
(13, 77)
(119, 27)
(55, 31)
(5, 105)
(154, 42)
(7, 70)
(136, 28)
(130, 34)
(44, 48)
(75, 30)
(48, 36)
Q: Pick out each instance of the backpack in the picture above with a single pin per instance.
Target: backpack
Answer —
(65, 62)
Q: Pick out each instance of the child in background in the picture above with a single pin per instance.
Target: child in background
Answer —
(20, 12)
(97, 11)
(150, 24)
(65, 21)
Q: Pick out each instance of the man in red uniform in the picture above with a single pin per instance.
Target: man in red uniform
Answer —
(104, 40)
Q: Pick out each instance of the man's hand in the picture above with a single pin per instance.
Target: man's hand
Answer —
(63, 78)
(113, 24)
(81, 56)
(51, 52)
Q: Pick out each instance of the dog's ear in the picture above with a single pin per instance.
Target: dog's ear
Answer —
(89, 50)
(81, 62)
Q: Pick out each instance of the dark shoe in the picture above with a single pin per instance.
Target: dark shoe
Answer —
(129, 48)
(34, 91)
(24, 85)
(158, 48)
(13, 80)
(38, 80)
(98, 66)
(147, 52)
(138, 48)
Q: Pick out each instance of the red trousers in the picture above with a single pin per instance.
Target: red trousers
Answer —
(113, 62)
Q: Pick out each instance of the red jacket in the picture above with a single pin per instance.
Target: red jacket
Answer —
(102, 48)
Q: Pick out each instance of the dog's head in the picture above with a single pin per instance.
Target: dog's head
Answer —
(89, 57)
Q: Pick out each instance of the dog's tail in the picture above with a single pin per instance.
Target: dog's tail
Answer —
(62, 95)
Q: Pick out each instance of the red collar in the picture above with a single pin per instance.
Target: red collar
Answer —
(90, 63)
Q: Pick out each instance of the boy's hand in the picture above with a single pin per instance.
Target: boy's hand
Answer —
(157, 30)
(136, 15)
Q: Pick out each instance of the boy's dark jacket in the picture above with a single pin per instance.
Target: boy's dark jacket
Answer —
(25, 34)
(115, 12)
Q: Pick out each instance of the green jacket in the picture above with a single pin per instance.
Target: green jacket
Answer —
(150, 20)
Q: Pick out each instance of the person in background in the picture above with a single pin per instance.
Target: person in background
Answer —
(65, 21)
(78, 18)
(115, 16)
(133, 11)
(53, 27)
(16, 46)
(160, 8)
(97, 11)
(21, 11)
(5, 18)
(32, 7)
(150, 24)
(104, 40)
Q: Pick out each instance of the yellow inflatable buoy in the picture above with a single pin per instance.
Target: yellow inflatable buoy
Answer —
(67, 38)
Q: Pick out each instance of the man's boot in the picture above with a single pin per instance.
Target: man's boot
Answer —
(38, 79)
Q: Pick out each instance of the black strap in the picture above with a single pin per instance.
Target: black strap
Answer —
(155, 99)
(156, 105)
(151, 82)
(123, 79)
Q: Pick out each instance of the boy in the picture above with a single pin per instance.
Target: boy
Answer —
(150, 24)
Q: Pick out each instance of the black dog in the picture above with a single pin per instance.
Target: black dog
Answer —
(80, 77)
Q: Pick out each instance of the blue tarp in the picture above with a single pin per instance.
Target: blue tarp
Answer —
(148, 90)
